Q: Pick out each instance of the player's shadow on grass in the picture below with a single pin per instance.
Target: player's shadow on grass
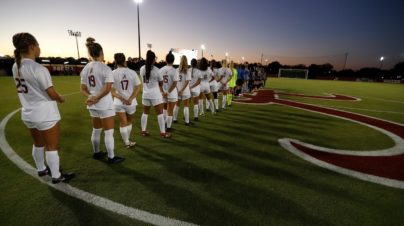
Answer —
(86, 214)
(245, 155)
(239, 197)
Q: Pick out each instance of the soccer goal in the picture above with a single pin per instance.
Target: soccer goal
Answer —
(293, 73)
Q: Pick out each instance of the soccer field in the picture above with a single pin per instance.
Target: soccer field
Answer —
(227, 169)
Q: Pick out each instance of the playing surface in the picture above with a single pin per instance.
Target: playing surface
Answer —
(226, 170)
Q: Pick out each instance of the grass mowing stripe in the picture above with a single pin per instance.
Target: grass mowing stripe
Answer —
(80, 194)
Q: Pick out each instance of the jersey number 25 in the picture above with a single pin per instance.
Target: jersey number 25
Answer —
(21, 87)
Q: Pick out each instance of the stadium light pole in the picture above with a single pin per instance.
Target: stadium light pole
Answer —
(203, 48)
(138, 24)
(227, 55)
(381, 62)
(75, 34)
(242, 59)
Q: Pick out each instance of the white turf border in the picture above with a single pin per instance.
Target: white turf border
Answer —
(286, 143)
(87, 197)
(397, 149)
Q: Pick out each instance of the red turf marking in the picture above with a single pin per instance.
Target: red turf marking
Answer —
(335, 97)
(391, 167)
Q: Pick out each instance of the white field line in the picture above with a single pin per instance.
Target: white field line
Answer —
(87, 197)
(286, 143)
(364, 109)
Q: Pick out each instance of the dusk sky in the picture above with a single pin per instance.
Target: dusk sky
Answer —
(300, 31)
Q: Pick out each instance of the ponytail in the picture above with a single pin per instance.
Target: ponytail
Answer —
(150, 58)
(22, 42)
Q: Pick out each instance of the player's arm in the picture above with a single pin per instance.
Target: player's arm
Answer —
(55, 95)
(84, 90)
(135, 93)
(196, 84)
(172, 87)
(116, 95)
(105, 90)
(185, 86)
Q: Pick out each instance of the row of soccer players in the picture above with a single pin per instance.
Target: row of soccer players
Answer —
(161, 89)
(164, 89)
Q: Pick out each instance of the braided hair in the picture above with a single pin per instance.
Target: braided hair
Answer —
(22, 42)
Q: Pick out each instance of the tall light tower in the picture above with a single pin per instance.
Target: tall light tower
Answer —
(203, 48)
(138, 23)
(75, 34)
(381, 62)
(227, 55)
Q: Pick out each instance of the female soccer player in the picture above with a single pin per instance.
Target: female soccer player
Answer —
(127, 87)
(225, 73)
(96, 84)
(194, 86)
(152, 94)
(39, 111)
(170, 95)
(206, 75)
(214, 86)
(184, 92)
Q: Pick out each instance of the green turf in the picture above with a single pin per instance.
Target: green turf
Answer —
(226, 170)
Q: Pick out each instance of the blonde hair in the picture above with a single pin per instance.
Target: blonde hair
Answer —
(224, 63)
(183, 64)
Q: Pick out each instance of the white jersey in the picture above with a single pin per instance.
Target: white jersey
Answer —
(151, 89)
(95, 75)
(182, 79)
(170, 76)
(31, 85)
(125, 81)
(225, 74)
(195, 75)
(206, 75)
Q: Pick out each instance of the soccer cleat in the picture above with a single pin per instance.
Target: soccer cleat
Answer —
(130, 145)
(144, 134)
(175, 121)
(217, 110)
(196, 119)
(202, 114)
(165, 135)
(44, 172)
(64, 177)
(170, 130)
(99, 155)
(189, 124)
(115, 160)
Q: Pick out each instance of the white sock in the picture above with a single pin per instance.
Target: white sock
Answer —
(217, 104)
(129, 128)
(165, 115)
(169, 121)
(207, 103)
(95, 140)
(124, 134)
(160, 119)
(201, 106)
(196, 111)
(186, 114)
(39, 157)
(52, 158)
(224, 100)
(109, 142)
(212, 107)
(143, 121)
(176, 109)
